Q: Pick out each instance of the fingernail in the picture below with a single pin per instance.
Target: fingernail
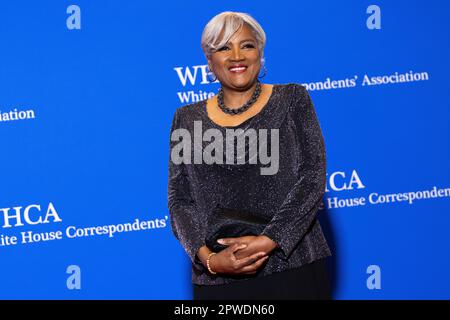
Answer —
(220, 241)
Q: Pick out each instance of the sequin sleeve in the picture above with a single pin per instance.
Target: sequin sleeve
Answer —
(299, 209)
(184, 212)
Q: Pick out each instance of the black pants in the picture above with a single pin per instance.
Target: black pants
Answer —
(306, 282)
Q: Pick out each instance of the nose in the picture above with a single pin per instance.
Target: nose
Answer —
(236, 54)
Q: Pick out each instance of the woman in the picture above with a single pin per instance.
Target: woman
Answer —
(286, 260)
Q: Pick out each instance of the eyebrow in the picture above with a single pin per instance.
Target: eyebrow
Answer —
(245, 40)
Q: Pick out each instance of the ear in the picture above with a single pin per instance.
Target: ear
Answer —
(209, 65)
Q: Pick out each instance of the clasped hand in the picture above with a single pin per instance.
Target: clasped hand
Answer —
(243, 255)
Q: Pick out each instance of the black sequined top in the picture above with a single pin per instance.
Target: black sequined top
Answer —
(290, 197)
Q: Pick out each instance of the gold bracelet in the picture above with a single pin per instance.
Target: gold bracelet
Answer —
(207, 263)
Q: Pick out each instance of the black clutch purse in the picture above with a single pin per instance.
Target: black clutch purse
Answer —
(227, 222)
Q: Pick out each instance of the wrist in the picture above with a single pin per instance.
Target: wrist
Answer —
(202, 254)
(270, 244)
(208, 263)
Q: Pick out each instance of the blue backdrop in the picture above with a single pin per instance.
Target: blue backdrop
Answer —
(88, 90)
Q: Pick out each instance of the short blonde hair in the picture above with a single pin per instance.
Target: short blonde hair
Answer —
(229, 23)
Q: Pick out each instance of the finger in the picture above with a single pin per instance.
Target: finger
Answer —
(253, 268)
(237, 246)
(249, 260)
(246, 252)
(243, 253)
(227, 241)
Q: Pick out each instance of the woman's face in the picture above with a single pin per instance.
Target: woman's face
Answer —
(237, 63)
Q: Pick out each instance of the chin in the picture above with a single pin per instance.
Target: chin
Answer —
(242, 83)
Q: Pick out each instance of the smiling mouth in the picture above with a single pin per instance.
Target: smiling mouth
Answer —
(238, 69)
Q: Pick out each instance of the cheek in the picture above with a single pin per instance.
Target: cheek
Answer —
(256, 65)
(217, 64)
(255, 60)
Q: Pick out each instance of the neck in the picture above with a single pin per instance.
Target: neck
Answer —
(236, 98)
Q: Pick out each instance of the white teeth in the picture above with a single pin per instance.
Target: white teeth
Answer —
(238, 69)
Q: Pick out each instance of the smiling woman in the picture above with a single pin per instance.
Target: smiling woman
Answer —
(285, 260)
(235, 51)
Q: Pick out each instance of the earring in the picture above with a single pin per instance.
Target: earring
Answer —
(209, 73)
(265, 72)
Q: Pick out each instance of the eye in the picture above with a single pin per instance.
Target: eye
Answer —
(222, 48)
(249, 45)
